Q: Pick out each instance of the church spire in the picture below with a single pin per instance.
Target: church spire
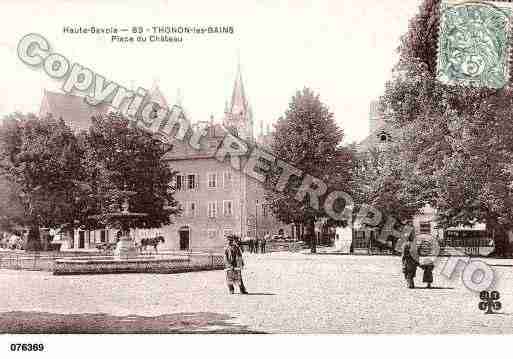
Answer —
(239, 103)
(238, 115)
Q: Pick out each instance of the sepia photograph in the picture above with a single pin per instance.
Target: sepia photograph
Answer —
(340, 168)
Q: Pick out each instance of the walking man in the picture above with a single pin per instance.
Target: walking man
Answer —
(410, 261)
(233, 263)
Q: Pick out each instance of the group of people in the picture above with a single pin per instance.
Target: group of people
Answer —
(256, 245)
(13, 240)
(234, 263)
(411, 260)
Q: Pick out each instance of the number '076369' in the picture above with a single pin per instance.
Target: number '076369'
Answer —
(19, 347)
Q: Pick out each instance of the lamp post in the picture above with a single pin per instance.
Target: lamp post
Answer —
(256, 219)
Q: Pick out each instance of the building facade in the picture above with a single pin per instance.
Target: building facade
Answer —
(217, 200)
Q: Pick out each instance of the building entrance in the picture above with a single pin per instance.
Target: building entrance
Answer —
(184, 234)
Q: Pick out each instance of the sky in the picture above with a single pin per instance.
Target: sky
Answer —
(342, 49)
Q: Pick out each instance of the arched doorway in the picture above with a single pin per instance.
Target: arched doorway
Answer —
(184, 233)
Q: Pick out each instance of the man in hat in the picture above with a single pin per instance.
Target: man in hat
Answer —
(410, 261)
(233, 263)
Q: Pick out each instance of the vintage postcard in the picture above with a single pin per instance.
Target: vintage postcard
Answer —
(255, 167)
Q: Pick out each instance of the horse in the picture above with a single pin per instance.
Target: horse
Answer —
(153, 242)
(106, 247)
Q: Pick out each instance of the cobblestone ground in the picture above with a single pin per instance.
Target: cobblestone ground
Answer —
(290, 293)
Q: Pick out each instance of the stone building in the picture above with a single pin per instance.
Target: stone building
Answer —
(216, 199)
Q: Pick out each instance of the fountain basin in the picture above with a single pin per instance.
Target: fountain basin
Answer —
(141, 264)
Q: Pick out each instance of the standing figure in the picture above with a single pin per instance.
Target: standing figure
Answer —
(409, 260)
(428, 267)
(257, 244)
(239, 244)
(250, 244)
(267, 237)
(233, 263)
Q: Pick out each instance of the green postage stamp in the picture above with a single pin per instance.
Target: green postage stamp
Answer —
(474, 43)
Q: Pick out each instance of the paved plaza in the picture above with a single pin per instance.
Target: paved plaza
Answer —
(289, 293)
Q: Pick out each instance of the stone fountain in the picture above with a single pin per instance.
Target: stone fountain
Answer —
(125, 221)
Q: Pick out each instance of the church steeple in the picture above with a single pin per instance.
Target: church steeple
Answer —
(239, 103)
(238, 114)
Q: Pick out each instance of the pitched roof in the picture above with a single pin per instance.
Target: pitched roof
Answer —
(182, 150)
(75, 112)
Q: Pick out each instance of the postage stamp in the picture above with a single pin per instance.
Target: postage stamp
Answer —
(474, 45)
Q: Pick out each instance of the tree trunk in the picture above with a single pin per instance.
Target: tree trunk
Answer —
(33, 239)
(311, 234)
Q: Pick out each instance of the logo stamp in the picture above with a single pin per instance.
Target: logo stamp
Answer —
(474, 43)
(489, 301)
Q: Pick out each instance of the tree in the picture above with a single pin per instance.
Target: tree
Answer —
(11, 207)
(386, 183)
(58, 179)
(40, 162)
(458, 140)
(308, 138)
(118, 158)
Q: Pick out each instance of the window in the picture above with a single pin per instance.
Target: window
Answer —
(265, 210)
(192, 181)
(212, 233)
(180, 183)
(227, 179)
(228, 208)
(212, 180)
(384, 137)
(227, 232)
(425, 227)
(212, 209)
(191, 209)
(103, 236)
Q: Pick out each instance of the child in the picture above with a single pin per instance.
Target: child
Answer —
(428, 266)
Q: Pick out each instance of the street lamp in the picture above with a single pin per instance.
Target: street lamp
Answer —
(256, 219)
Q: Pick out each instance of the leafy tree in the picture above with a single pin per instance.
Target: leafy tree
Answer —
(308, 138)
(386, 183)
(40, 162)
(457, 140)
(54, 178)
(11, 207)
(119, 158)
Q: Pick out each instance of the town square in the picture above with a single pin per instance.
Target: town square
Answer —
(289, 293)
(288, 168)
